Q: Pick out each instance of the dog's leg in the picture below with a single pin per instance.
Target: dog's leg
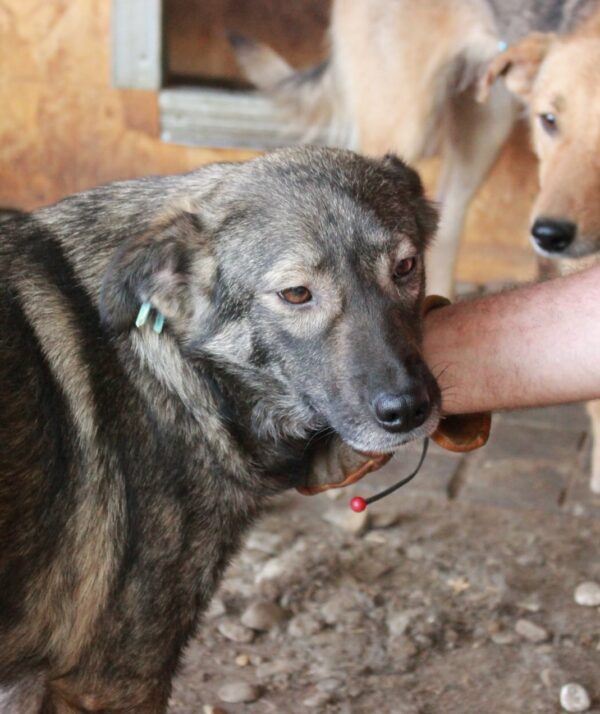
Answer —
(475, 134)
(593, 409)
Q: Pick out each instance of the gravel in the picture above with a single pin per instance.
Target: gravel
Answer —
(532, 632)
(262, 615)
(238, 691)
(304, 625)
(387, 625)
(235, 632)
(574, 698)
(588, 594)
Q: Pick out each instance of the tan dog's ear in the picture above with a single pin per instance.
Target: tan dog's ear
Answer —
(518, 65)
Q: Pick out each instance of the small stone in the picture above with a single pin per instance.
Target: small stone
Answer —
(235, 632)
(370, 569)
(242, 660)
(574, 698)
(527, 560)
(272, 570)
(238, 691)
(270, 543)
(329, 685)
(337, 609)
(588, 594)
(215, 609)
(304, 625)
(415, 552)
(402, 650)
(318, 700)
(377, 538)
(503, 638)
(399, 622)
(238, 586)
(530, 631)
(459, 585)
(530, 605)
(262, 615)
(266, 670)
(209, 709)
(347, 520)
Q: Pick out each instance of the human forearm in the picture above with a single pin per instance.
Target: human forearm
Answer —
(533, 346)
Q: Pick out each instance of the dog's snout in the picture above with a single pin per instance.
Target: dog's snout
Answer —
(402, 412)
(552, 235)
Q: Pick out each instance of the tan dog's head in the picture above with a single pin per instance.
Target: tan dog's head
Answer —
(558, 79)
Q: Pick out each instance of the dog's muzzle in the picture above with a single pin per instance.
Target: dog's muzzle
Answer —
(338, 465)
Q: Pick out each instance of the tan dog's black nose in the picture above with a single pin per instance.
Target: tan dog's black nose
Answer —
(552, 235)
(402, 412)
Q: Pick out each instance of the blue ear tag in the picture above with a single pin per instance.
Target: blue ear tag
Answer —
(142, 318)
(159, 323)
(142, 315)
(502, 46)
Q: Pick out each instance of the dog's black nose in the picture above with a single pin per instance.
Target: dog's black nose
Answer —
(552, 235)
(402, 412)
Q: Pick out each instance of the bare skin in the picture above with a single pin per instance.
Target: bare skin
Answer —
(534, 346)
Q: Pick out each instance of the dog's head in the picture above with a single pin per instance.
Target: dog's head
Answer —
(297, 277)
(558, 80)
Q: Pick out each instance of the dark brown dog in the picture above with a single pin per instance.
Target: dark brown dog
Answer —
(133, 460)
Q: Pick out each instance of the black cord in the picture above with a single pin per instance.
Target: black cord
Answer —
(404, 481)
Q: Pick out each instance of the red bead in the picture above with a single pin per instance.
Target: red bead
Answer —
(358, 504)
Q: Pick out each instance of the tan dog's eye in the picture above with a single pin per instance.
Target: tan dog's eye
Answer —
(296, 296)
(404, 267)
(549, 123)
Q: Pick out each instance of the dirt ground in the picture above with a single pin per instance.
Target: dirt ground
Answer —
(447, 599)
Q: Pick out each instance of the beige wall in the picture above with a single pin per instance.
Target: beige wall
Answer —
(63, 129)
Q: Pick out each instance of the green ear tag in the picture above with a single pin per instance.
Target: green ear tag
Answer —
(142, 315)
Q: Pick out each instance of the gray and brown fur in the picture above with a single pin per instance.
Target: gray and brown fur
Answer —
(132, 463)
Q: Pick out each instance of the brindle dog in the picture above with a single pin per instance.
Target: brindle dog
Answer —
(134, 460)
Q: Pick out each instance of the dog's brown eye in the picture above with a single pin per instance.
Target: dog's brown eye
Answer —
(404, 267)
(296, 296)
(548, 122)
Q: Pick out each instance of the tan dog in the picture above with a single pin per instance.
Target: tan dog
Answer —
(558, 80)
(406, 75)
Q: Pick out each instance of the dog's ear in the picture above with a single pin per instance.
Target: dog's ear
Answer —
(410, 181)
(154, 268)
(518, 65)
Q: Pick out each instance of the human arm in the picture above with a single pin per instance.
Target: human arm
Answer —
(533, 346)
